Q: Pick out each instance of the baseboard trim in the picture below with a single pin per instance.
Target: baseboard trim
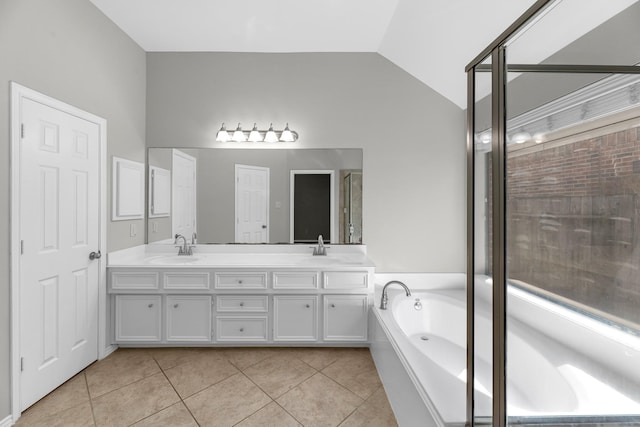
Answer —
(7, 422)
(107, 351)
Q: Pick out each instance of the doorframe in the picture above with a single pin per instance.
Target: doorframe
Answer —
(333, 238)
(176, 152)
(18, 93)
(237, 199)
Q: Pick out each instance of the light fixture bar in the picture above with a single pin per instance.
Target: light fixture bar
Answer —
(256, 135)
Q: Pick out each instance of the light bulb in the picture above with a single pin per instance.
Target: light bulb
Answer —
(238, 135)
(222, 135)
(287, 135)
(255, 136)
(271, 135)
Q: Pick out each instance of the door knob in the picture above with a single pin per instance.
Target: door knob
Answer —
(95, 255)
(264, 226)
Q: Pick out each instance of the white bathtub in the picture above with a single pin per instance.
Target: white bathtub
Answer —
(545, 378)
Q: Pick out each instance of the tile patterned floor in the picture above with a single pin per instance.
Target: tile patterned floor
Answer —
(243, 387)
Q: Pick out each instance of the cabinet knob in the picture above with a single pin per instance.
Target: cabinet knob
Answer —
(333, 306)
(240, 282)
(175, 305)
(307, 305)
(241, 304)
(150, 305)
(241, 329)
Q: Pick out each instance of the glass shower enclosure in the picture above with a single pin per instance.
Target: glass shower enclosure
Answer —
(553, 262)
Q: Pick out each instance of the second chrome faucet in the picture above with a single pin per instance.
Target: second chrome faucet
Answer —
(185, 248)
(385, 298)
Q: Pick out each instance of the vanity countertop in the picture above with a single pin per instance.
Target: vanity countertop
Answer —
(245, 256)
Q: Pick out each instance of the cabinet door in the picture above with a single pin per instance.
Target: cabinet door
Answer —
(345, 317)
(188, 318)
(295, 318)
(138, 318)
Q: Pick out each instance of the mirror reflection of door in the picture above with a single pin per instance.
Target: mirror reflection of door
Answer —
(352, 207)
(252, 204)
(183, 194)
(312, 202)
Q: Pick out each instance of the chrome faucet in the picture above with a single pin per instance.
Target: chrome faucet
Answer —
(321, 249)
(385, 298)
(183, 249)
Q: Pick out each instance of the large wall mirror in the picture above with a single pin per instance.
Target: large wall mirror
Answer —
(255, 195)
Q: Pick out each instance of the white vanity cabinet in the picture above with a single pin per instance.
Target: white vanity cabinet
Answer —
(213, 305)
(188, 318)
(138, 318)
(295, 318)
(345, 317)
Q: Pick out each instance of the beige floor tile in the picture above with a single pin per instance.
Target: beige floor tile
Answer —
(320, 358)
(271, 415)
(355, 371)
(76, 416)
(170, 357)
(243, 358)
(278, 374)
(206, 370)
(319, 401)
(227, 403)
(120, 368)
(176, 415)
(68, 395)
(375, 412)
(134, 402)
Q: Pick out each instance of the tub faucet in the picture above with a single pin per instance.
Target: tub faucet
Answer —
(321, 249)
(385, 298)
(183, 249)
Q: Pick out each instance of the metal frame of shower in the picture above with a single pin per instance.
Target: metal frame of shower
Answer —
(498, 69)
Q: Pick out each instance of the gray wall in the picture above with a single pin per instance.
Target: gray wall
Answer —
(412, 137)
(69, 50)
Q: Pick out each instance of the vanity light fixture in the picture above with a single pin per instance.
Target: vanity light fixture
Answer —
(238, 135)
(287, 136)
(255, 135)
(223, 135)
(271, 136)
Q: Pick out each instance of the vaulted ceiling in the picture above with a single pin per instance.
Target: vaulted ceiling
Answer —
(431, 39)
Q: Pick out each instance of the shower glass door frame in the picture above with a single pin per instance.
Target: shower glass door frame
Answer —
(498, 68)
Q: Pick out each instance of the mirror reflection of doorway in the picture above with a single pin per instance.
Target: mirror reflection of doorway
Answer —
(184, 194)
(351, 221)
(312, 204)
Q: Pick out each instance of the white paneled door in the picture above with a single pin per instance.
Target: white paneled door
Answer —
(252, 204)
(59, 231)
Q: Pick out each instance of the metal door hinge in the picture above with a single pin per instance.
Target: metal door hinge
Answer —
(21, 247)
(22, 130)
(21, 364)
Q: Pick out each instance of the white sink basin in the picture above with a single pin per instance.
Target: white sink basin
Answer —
(174, 259)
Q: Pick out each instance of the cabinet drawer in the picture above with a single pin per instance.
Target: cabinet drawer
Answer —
(138, 318)
(255, 304)
(134, 280)
(233, 328)
(295, 280)
(241, 280)
(346, 280)
(183, 281)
